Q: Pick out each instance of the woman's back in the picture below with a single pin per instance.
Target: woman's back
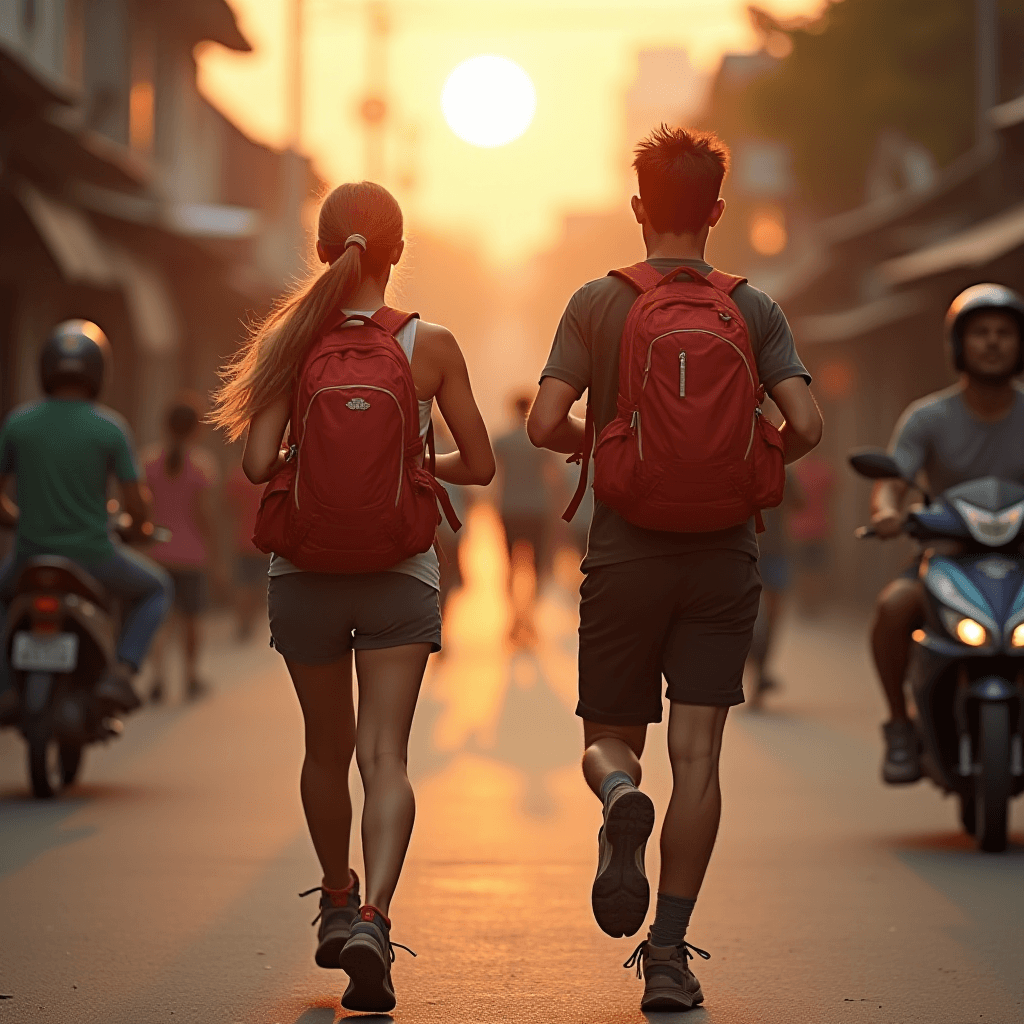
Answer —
(176, 498)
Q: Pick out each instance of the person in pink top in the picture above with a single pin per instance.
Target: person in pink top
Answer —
(251, 565)
(181, 477)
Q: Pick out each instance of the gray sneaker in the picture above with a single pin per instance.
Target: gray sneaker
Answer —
(336, 922)
(901, 764)
(367, 959)
(669, 984)
(621, 894)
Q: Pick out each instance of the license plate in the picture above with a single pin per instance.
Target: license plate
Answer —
(32, 652)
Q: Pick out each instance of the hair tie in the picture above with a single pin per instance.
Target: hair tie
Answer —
(356, 239)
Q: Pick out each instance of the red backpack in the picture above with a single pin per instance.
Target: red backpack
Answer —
(353, 495)
(689, 450)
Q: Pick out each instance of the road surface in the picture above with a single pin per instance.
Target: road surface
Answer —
(163, 888)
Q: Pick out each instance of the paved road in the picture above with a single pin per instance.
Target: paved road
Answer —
(163, 889)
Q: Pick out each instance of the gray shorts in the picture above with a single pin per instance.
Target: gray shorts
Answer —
(316, 618)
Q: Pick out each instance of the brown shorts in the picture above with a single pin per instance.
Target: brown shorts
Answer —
(689, 617)
(316, 618)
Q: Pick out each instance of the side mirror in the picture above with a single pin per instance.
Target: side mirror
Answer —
(875, 464)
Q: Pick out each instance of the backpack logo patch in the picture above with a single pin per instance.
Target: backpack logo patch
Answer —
(358, 404)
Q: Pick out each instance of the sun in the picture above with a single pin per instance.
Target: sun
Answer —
(488, 101)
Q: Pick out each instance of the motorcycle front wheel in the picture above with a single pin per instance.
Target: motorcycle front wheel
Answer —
(992, 777)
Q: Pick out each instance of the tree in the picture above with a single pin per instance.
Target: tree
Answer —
(867, 66)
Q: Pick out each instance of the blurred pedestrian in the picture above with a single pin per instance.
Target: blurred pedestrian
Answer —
(776, 568)
(810, 529)
(527, 479)
(657, 602)
(390, 618)
(250, 564)
(181, 476)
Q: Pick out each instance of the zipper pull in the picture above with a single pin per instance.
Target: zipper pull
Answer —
(633, 419)
(724, 317)
(682, 374)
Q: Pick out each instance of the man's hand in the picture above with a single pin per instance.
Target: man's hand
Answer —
(888, 523)
(8, 510)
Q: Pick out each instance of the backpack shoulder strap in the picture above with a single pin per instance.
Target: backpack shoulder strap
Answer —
(392, 320)
(728, 283)
(642, 276)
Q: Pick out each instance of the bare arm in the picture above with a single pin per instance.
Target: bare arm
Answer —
(262, 457)
(887, 515)
(8, 510)
(551, 424)
(473, 462)
(802, 430)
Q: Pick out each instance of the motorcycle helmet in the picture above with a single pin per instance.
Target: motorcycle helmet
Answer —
(973, 299)
(76, 352)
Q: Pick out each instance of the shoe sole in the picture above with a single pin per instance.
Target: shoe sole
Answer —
(894, 779)
(621, 893)
(364, 964)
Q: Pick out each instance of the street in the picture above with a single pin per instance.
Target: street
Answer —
(163, 888)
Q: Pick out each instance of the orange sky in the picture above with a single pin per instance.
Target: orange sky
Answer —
(580, 55)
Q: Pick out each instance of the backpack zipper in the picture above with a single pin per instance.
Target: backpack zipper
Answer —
(352, 387)
(694, 330)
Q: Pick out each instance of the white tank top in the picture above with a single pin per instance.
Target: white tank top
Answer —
(424, 566)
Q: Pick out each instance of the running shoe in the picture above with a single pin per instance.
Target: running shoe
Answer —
(621, 893)
(669, 984)
(901, 764)
(367, 958)
(336, 918)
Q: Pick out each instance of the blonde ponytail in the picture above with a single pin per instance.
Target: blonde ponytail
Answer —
(264, 369)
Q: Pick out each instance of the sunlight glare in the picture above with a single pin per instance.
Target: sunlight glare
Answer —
(488, 101)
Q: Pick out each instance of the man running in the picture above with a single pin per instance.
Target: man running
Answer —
(970, 430)
(654, 603)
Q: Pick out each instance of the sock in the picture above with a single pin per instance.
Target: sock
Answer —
(612, 781)
(339, 897)
(671, 919)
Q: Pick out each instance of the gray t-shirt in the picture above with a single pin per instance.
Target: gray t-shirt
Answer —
(585, 354)
(525, 475)
(940, 437)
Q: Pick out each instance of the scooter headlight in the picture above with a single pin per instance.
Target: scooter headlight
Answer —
(965, 629)
(971, 633)
(1017, 640)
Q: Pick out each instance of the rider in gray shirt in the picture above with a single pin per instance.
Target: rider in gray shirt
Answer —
(971, 430)
(941, 437)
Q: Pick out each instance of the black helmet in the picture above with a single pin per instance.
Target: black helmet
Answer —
(76, 352)
(973, 299)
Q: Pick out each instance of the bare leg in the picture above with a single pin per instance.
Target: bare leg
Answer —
(325, 694)
(900, 610)
(389, 684)
(612, 748)
(691, 821)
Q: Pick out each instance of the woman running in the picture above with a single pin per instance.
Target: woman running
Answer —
(389, 619)
(182, 476)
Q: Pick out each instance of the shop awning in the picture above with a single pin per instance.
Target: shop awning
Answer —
(69, 236)
(974, 247)
(84, 256)
(858, 321)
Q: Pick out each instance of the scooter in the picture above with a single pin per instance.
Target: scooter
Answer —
(966, 668)
(60, 639)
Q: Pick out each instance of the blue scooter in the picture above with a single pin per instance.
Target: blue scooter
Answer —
(966, 669)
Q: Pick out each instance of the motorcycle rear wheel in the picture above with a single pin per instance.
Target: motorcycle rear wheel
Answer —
(44, 762)
(992, 778)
